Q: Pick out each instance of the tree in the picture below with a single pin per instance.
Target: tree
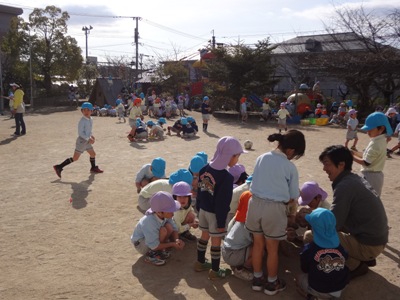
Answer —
(53, 52)
(241, 69)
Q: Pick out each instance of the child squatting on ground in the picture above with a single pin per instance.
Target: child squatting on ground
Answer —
(213, 201)
(84, 142)
(156, 231)
(185, 217)
(323, 260)
(150, 172)
(237, 245)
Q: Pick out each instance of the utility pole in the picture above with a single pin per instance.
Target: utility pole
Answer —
(213, 39)
(137, 48)
(87, 31)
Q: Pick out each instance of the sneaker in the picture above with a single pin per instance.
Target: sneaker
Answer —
(258, 283)
(243, 274)
(222, 273)
(96, 170)
(163, 254)
(153, 258)
(58, 170)
(272, 288)
(188, 236)
(199, 267)
(354, 148)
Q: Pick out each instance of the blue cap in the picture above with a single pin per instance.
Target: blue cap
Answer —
(118, 102)
(203, 155)
(181, 175)
(323, 223)
(249, 179)
(158, 167)
(150, 123)
(205, 98)
(196, 163)
(190, 119)
(87, 105)
(184, 121)
(377, 119)
(162, 121)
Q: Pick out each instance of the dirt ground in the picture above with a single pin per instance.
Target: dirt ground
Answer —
(52, 249)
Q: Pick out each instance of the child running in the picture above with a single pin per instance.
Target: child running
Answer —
(275, 184)
(213, 200)
(84, 142)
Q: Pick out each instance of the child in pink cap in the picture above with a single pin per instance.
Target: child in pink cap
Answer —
(213, 201)
(156, 231)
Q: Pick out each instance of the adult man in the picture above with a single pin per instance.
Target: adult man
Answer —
(361, 219)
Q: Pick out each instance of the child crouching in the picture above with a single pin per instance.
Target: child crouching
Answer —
(156, 231)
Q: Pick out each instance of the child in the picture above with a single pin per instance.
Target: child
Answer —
(134, 112)
(243, 108)
(156, 107)
(274, 186)
(167, 105)
(149, 173)
(351, 134)
(156, 131)
(282, 115)
(161, 121)
(141, 132)
(162, 185)
(313, 196)
(318, 111)
(192, 123)
(239, 174)
(236, 193)
(156, 231)
(196, 164)
(181, 103)
(323, 260)
(84, 142)
(374, 157)
(185, 217)
(121, 110)
(237, 245)
(213, 200)
(187, 129)
(177, 127)
(266, 111)
(205, 112)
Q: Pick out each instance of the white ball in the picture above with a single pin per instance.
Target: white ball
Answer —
(248, 144)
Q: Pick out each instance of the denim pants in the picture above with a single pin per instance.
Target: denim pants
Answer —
(19, 124)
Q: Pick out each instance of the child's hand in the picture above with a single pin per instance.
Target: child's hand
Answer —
(91, 140)
(179, 244)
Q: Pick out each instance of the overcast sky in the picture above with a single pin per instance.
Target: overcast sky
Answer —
(182, 27)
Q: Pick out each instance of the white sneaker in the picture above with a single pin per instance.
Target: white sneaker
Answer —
(243, 274)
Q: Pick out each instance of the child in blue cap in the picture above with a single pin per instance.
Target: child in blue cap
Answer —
(323, 260)
(373, 158)
(156, 231)
(84, 142)
(150, 172)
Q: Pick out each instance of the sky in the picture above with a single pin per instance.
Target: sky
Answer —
(177, 29)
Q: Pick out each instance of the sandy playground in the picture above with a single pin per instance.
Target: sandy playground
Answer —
(54, 249)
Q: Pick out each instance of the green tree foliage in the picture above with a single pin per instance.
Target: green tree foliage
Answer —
(54, 53)
(241, 69)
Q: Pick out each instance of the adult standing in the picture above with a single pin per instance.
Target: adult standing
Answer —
(18, 109)
(361, 219)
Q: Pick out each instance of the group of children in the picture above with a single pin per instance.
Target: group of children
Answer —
(260, 221)
(201, 197)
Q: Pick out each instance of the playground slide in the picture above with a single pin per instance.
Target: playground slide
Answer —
(257, 101)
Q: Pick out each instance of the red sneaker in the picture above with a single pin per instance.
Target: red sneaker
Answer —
(96, 170)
